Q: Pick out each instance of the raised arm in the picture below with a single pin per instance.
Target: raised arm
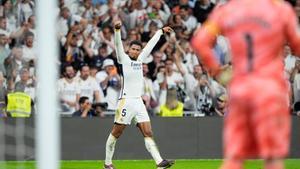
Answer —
(203, 43)
(292, 30)
(152, 42)
(118, 42)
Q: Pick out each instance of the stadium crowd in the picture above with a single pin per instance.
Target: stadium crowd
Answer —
(174, 79)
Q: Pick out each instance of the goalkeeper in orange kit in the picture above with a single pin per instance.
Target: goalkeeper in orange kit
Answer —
(258, 122)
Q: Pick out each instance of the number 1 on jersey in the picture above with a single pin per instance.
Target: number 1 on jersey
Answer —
(249, 42)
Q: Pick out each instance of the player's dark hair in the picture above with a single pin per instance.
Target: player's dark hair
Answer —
(83, 99)
(109, 28)
(136, 42)
(103, 46)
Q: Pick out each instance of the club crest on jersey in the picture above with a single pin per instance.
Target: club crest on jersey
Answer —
(136, 66)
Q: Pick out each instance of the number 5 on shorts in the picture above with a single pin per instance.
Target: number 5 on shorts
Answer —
(123, 112)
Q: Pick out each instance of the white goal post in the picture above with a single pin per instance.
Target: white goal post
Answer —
(47, 116)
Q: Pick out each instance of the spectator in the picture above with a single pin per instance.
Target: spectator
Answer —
(31, 26)
(86, 10)
(13, 64)
(73, 5)
(167, 78)
(172, 107)
(175, 4)
(222, 51)
(102, 55)
(221, 107)
(205, 95)
(72, 53)
(136, 14)
(25, 9)
(3, 27)
(6, 8)
(149, 96)
(160, 84)
(173, 78)
(4, 52)
(8, 11)
(154, 65)
(159, 10)
(93, 70)
(85, 108)
(297, 109)
(295, 78)
(10, 32)
(26, 84)
(19, 104)
(189, 21)
(68, 90)
(67, 20)
(29, 51)
(110, 83)
(179, 27)
(289, 60)
(3, 92)
(191, 82)
(108, 17)
(88, 86)
(90, 36)
(202, 9)
(189, 59)
(106, 37)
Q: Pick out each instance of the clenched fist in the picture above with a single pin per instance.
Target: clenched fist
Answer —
(118, 24)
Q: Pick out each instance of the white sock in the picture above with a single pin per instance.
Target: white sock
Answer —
(110, 148)
(153, 150)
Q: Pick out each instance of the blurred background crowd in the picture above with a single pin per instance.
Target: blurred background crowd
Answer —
(176, 83)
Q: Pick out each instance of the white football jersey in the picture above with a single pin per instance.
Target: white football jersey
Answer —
(68, 91)
(88, 87)
(132, 70)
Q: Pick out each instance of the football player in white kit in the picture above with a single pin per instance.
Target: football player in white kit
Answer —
(130, 104)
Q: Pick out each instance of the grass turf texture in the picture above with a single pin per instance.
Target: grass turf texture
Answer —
(145, 164)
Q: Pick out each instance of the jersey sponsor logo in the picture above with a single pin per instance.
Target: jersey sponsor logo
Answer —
(136, 66)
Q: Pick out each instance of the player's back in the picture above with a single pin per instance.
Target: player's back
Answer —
(256, 33)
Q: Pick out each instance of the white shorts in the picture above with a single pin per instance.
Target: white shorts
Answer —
(131, 109)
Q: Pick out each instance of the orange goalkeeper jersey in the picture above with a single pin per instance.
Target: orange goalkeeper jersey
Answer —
(257, 32)
(258, 122)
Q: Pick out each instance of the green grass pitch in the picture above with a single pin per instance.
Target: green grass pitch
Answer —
(145, 164)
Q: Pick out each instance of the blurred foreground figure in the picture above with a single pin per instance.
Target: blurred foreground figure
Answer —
(258, 122)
